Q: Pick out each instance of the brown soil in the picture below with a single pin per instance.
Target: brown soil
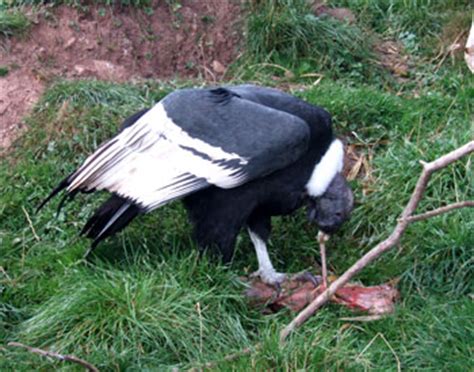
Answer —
(190, 39)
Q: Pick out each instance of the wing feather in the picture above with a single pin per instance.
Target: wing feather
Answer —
(190, 140)
(155, 161)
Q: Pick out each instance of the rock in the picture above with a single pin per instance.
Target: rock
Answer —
(79, 69)
(101, 69)
(218, 67)
(69, 43)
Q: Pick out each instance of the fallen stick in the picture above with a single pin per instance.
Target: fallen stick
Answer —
(70, 358)
(322, 239)
(391, 241)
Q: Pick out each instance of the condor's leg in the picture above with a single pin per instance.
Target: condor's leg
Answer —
(216, 223)
(259, 228)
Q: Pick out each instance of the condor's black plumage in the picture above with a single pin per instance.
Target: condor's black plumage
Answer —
(235, 155)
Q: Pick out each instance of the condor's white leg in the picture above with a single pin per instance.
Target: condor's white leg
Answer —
(265, 271)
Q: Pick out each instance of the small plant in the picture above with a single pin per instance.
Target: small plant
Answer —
(148, 56)
(148, 11)
(174, 5)
(190, 65)
(4, 70)
(12, 22)
(208, 19)
(73, 25)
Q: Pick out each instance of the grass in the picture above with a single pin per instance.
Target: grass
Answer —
(12, 22)
(285, 41)
(148, 302)
(418, 24)
(288, 34)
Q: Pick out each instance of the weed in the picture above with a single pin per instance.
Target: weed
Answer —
(12, 22)
(420, 21)
(208, 19)
(286, 33)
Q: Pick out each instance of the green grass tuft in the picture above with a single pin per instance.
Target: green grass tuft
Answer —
(12, 22)
(148, 314)
(4, 70)
(287, 33)
(417, 24)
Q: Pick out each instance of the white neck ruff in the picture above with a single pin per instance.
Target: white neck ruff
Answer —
(329, 165)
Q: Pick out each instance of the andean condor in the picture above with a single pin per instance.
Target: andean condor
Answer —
(235, 155)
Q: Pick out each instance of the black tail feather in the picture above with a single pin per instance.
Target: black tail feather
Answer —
(62, 185)
(65, 199)
(111, 217)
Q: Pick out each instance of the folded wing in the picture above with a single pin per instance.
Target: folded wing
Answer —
(190, 140)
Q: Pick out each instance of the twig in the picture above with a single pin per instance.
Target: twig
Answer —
(272, 65)
(367, 346)
(399, 365)
(399, 368)
(208, 71)
(392, 240)
(449, 51)
(363, 318)
(31, 224)
(322, 239)
(441, 210)
(70, 358)
(3, 271)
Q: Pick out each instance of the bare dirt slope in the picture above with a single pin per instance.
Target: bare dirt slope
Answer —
(189, 38)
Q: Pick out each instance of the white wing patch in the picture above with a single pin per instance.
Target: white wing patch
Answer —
(329, 165)
(155, 161)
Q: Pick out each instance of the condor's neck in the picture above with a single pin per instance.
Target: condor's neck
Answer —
(326, 166)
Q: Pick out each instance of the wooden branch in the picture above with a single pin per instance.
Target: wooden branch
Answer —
(70, 358)
(322, 239)
(392, 240)
(441, 210)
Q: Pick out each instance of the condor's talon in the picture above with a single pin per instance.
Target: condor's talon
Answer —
(307, 276)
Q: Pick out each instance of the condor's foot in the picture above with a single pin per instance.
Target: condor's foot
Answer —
(270, 277)
(307, 276)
